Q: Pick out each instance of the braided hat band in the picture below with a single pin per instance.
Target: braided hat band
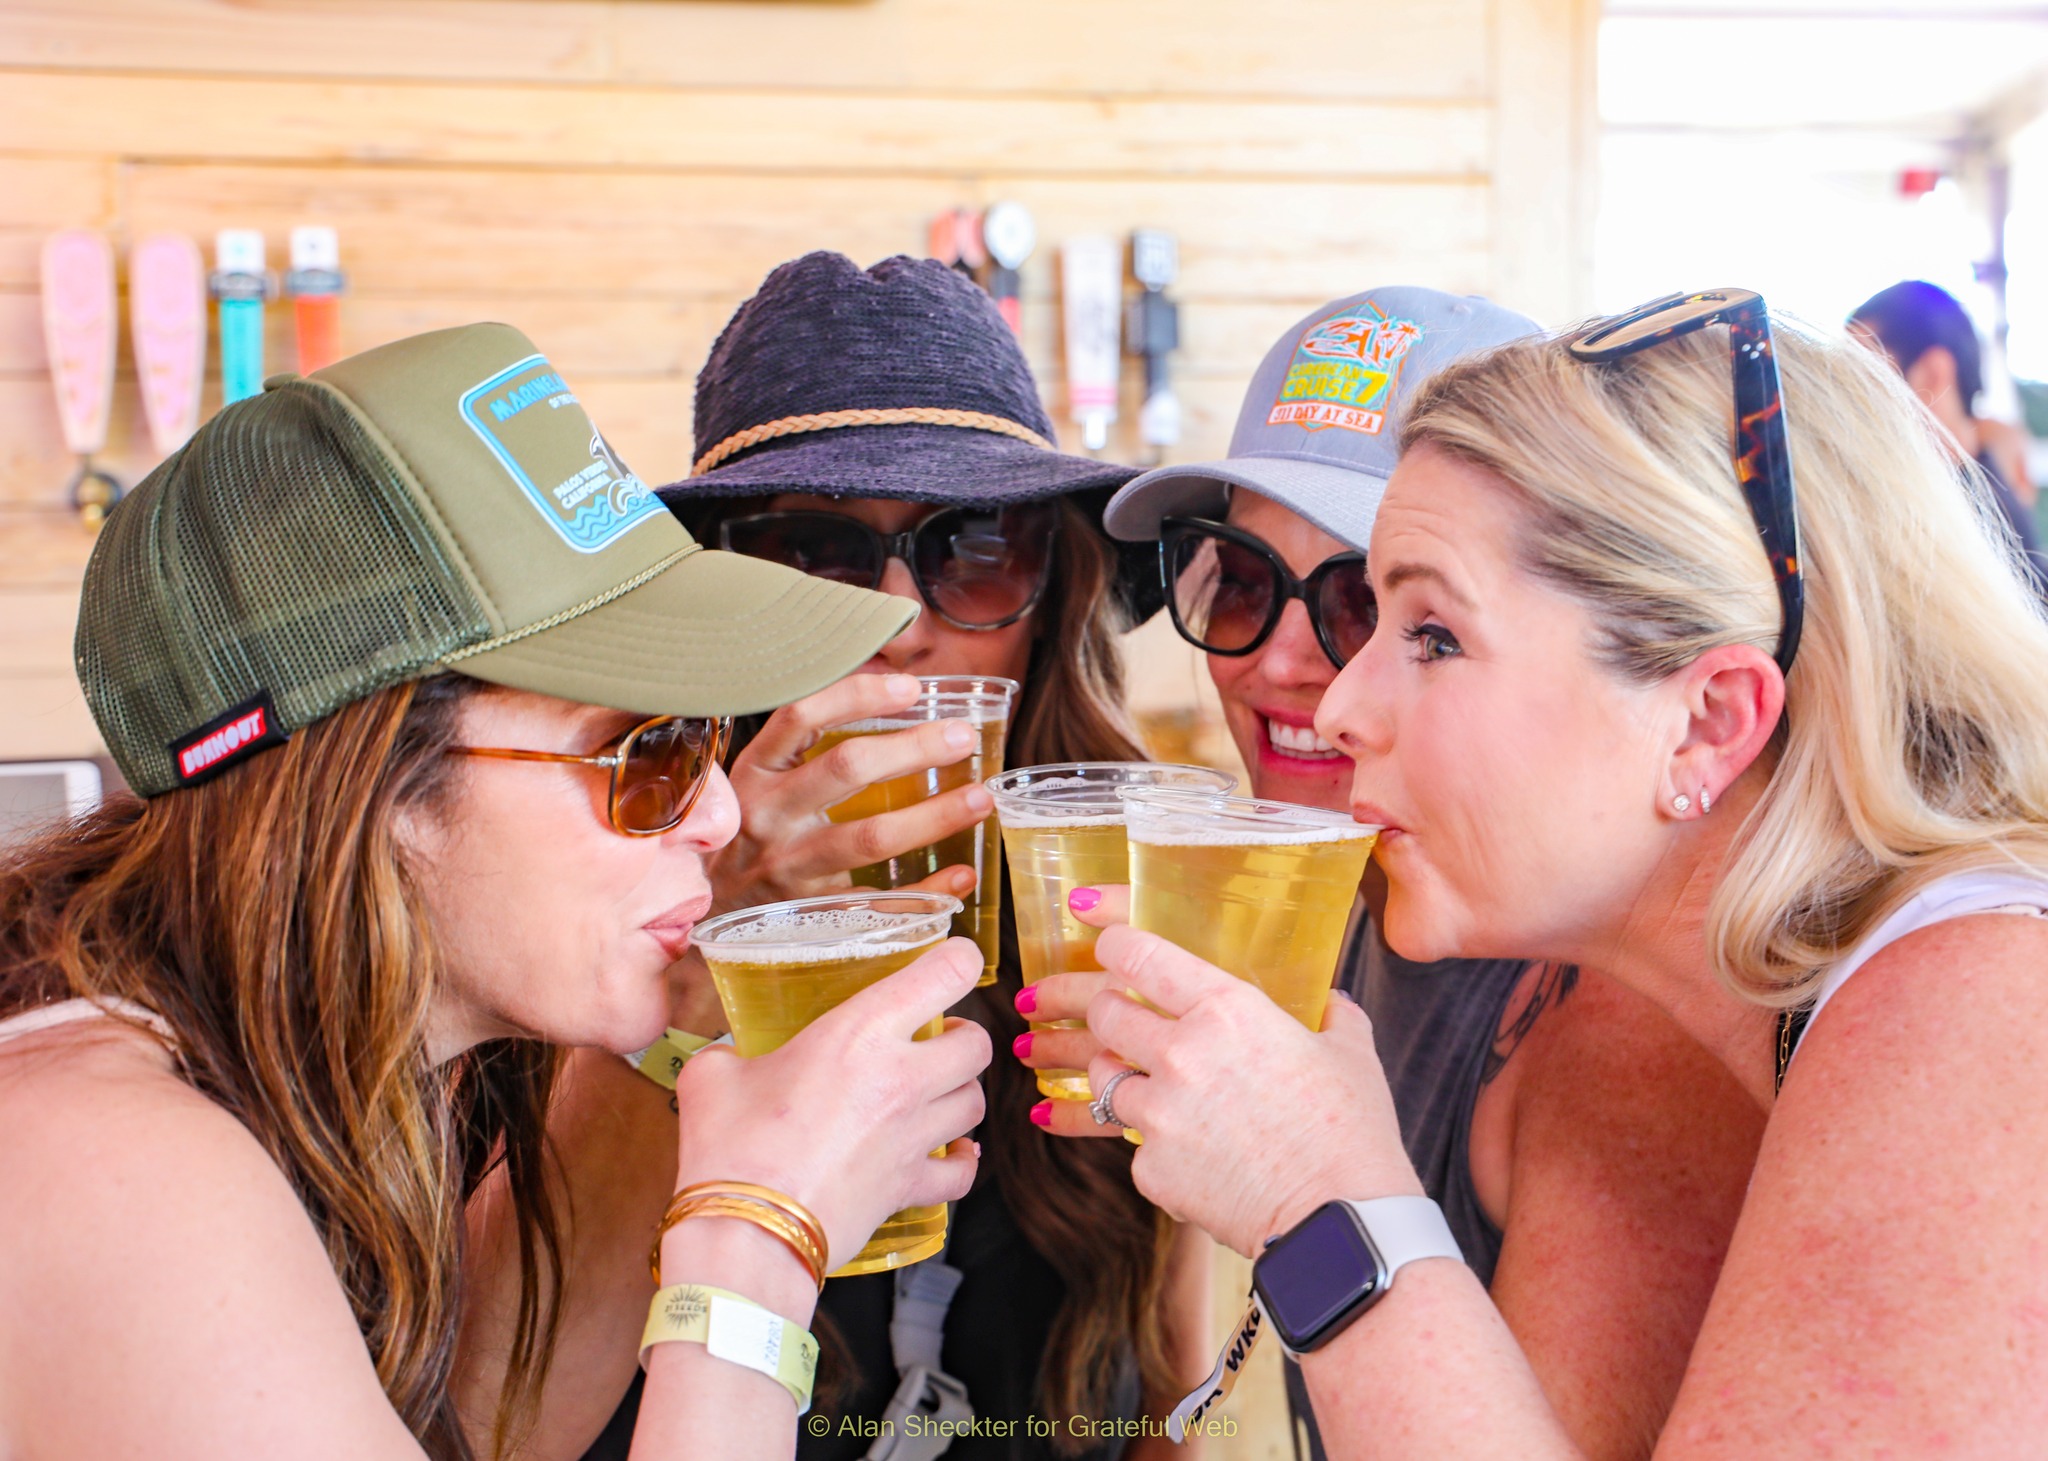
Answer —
(739, 441)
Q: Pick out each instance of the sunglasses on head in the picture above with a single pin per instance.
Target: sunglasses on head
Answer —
(978, 567)
(1763, 457)
(659, 768)
(1227, 589)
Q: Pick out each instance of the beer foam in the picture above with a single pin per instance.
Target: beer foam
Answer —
(1026, 821)
(1238, 835)
(793, 938)
(1097, 801)
(1096, 805)
(975, 715)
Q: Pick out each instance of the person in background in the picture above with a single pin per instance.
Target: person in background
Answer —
(1073, 1290)
(427, 774)
(1925, 333)
(1766, 750)
(1589, 1154)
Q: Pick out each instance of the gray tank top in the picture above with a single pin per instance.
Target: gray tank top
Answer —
(1433, 1026)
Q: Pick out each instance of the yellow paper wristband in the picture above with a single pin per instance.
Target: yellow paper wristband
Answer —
(735, 1329)
(662, 1061)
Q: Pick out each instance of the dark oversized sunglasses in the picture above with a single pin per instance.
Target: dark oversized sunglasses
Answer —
(978, 567)
(1763, 456)
(659, 768)
(1227, 589)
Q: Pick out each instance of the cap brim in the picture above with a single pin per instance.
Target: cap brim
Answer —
(713, 634)
(949, 464)
(1339, 500)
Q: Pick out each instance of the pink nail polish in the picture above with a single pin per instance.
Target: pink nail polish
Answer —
(1027, 1000)
(1021, 1046)
(1084, 900)
(1041, 1114)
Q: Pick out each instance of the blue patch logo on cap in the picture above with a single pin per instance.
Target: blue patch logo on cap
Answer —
(536, 428)
(1344, 371)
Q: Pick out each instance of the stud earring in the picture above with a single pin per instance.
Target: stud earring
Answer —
(1706, 801)
(1681, 804)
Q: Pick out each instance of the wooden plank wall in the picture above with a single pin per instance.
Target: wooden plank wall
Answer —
(616, 175)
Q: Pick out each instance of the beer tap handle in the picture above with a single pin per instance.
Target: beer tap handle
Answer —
(1009, 235)
(1152, 331)
(242, 285)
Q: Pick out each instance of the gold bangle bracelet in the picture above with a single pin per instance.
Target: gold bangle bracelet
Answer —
(796, 1210)
(707, 1200)
(781, 1202)
(767, 1219)
(799, 1220)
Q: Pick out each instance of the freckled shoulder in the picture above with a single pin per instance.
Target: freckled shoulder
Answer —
(154, 1249)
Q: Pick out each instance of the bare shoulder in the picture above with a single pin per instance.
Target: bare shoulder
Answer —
(1631, 1148)
(1613, 1058)
(1884, 1292)
(161, 1289)
(1607, 1083)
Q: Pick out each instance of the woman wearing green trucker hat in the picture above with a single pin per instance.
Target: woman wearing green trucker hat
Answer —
(423, 694)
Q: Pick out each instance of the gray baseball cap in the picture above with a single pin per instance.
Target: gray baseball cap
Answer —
(1320, 428)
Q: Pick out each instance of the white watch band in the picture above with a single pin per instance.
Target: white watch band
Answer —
(1405, 1229)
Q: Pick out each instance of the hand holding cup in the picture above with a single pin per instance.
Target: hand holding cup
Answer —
(1250, 1120)
(789, 847)
(845, 1116)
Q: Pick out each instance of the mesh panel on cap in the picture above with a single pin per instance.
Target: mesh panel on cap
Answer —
(280, 551)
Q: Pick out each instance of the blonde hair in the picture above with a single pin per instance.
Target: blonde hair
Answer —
(1915, 736)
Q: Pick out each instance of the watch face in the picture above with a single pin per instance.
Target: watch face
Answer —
(1318, 1277)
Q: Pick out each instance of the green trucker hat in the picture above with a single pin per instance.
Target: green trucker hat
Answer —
(441, 502)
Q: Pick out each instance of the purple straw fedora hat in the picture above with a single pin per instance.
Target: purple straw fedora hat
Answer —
(898, 381)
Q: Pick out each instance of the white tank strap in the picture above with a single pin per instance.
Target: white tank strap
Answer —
(70, 1011)
(2016, 891)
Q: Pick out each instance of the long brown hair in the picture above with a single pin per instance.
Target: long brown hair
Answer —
(1073, 1200)
(270, 919)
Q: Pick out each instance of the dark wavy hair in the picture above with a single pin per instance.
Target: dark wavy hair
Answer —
(1073, 1200)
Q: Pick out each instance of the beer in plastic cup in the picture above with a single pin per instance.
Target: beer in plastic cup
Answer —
(1261, 889)
(986, 703)
(782, 965)
(1063, 828)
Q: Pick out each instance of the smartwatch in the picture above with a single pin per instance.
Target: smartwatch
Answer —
(1315, 1279)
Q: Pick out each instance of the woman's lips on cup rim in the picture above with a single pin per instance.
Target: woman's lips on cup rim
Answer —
(1368, 815)
(672, 929)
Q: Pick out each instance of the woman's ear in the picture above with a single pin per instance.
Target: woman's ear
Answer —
(419, 829)
(1734, 697)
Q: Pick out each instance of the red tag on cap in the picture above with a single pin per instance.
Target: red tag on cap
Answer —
(223, 741)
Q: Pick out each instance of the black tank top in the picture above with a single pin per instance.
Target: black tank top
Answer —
(995, 1339)
(1433, 1026)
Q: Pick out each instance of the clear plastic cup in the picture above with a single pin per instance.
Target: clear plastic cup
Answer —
(986, 702)
(1261, 889)
(782, 965)
(1063, 828)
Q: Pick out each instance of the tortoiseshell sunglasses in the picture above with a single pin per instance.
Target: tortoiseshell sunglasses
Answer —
(1763, 458)
(658, 769)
